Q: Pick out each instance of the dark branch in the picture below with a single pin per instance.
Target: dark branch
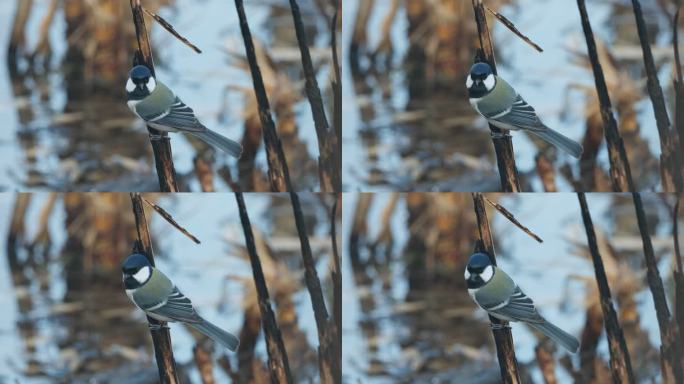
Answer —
(503, 145)
(278, 364)
(620, 173)
(503, 339)
(161, 337)
(620, 363)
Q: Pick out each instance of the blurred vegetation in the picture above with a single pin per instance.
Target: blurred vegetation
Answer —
(418, 324)
(76, 325)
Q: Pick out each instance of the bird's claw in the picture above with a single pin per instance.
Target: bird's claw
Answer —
(500, 135)
(157, 326)
(496, 326)
(156, 136)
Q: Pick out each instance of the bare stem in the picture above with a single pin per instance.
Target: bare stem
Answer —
(161, 337)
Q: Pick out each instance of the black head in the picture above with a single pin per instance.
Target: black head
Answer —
(479, 270)
(481, 80)
(136, 270)
(140, 83)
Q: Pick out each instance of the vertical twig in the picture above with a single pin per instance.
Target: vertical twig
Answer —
(670, 360)
(503, 145)
(503, 338)
(161, 144)
(18, 37)
(336, 278)
(620, 363)
(678, 275)
(278, 364)
(670, 165)
(328, 165)
(329, 363)
(161, 337)
(620, 173)
(278, 172)
(337, 87)
(679, 89)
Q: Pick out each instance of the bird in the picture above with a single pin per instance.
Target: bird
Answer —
(161, 109)
(497, 101)
(150, 290)
(495, 292)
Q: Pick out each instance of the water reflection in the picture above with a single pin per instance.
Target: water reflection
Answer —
(408, 317)
(68, 127)
(68, 320)
(409, 126)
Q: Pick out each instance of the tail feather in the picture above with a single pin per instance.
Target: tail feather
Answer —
(217, 334)
(568, 145)
(558, 335)
(223, 143)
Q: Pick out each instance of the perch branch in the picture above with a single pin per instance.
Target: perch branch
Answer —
(161, 337)
(503, 145)
(161, 144)
(503, 338)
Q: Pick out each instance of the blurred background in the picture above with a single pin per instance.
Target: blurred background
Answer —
(66, 317)
(411, 127)
(407, 315)
(62, 100)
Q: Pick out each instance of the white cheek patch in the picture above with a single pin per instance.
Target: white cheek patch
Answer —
(151, 84)
(487, 273)
(469, 81)
(142, 275)
(466, 274)
(489, 82)
(130, 87)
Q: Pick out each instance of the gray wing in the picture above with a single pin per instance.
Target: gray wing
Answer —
(521, 115)
(519, 308)
(179, 308)
(181, 117)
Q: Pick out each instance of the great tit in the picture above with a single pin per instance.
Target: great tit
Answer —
(161, 109)
(495, 292)
(502, 106)
(153, 292)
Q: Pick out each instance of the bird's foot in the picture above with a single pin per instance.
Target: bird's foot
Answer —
(500, 135)
(156, 136)
(496, 326)
(157, 326)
